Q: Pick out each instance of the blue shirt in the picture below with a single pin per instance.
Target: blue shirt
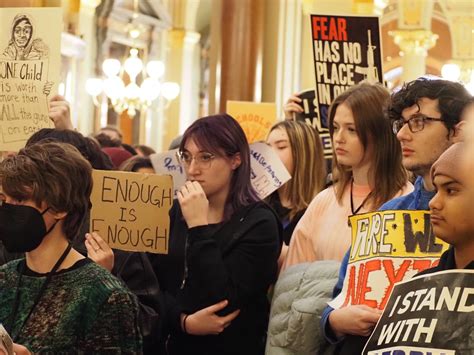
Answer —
(418, 199)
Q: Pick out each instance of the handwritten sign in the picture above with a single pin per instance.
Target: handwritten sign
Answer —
(431, 314)
(256, 119)
(130, 210)
(387, 247)
(346, 50)
(167, 163)
(29, 71)
(267, 170)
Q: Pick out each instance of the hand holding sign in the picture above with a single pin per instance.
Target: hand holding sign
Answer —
(20, 350)
(355, 320)
(292, 105)
(99, 251)
(60, 113)
(194, 204)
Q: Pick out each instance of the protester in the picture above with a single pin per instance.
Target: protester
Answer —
(144, 150)
(449, 208)
(300, 149)
(367, 172)
(425, 116)
(133, 269)
(113, 133)
(55, 290)
(138, 164)
(223, 246)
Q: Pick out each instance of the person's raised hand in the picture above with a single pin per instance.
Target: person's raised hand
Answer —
(292, 106)
(99, 251)
(20, 350)
(60, 113)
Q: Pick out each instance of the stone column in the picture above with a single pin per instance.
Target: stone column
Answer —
(86, 122)
(414, 36)
(460, 16)
(414, 45)
(236, 68)
(182, 61)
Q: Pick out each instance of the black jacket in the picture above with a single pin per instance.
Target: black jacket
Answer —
(283, 214)
(237, 261)
(446, 262)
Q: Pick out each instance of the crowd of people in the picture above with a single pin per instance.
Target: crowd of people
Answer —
(64, 290)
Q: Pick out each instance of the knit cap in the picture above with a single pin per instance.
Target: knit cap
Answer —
(449, 163)
(117, 155)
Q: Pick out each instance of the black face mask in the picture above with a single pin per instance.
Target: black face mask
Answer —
(22, 228)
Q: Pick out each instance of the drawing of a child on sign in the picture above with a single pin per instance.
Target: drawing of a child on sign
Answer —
(30, 60)
(22, 46)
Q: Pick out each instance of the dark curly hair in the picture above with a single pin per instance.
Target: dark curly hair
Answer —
(451, 96)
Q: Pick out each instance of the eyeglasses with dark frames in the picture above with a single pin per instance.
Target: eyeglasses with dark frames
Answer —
(416, 123)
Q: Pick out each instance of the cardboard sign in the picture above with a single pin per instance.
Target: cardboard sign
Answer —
(256, 119)
(320, 123)
(430, 314)
(387, 247)
(130, 210)
(167, 163)
(6, 342)
(346, 50)
(268, 172)
(29, 71)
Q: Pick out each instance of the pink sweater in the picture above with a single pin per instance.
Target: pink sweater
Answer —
(323, 232)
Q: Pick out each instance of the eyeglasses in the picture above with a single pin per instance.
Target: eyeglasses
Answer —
(416, 123)
(203, 160)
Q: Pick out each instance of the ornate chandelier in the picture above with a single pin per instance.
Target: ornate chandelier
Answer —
(131, 97)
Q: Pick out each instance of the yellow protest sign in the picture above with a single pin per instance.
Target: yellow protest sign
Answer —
(387, 247)
(29, 71)
(130, 210)
(255, 118)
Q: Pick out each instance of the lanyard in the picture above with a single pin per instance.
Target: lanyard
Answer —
(38, 297)
(352, 200)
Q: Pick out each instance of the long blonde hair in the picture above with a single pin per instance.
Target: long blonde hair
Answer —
(309, 175)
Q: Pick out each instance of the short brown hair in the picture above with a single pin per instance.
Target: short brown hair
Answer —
(369, 105)
(54, 173)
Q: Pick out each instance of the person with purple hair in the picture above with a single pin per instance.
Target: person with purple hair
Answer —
(223, 247)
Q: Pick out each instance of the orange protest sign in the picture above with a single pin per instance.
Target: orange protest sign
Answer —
(255, 118)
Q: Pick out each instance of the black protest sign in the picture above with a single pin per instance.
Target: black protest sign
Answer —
(430, 314)
(130, 210)
(346, 50)
(310, 116)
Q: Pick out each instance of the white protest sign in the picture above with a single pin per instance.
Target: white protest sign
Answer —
(167, 163)
(268, 172)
